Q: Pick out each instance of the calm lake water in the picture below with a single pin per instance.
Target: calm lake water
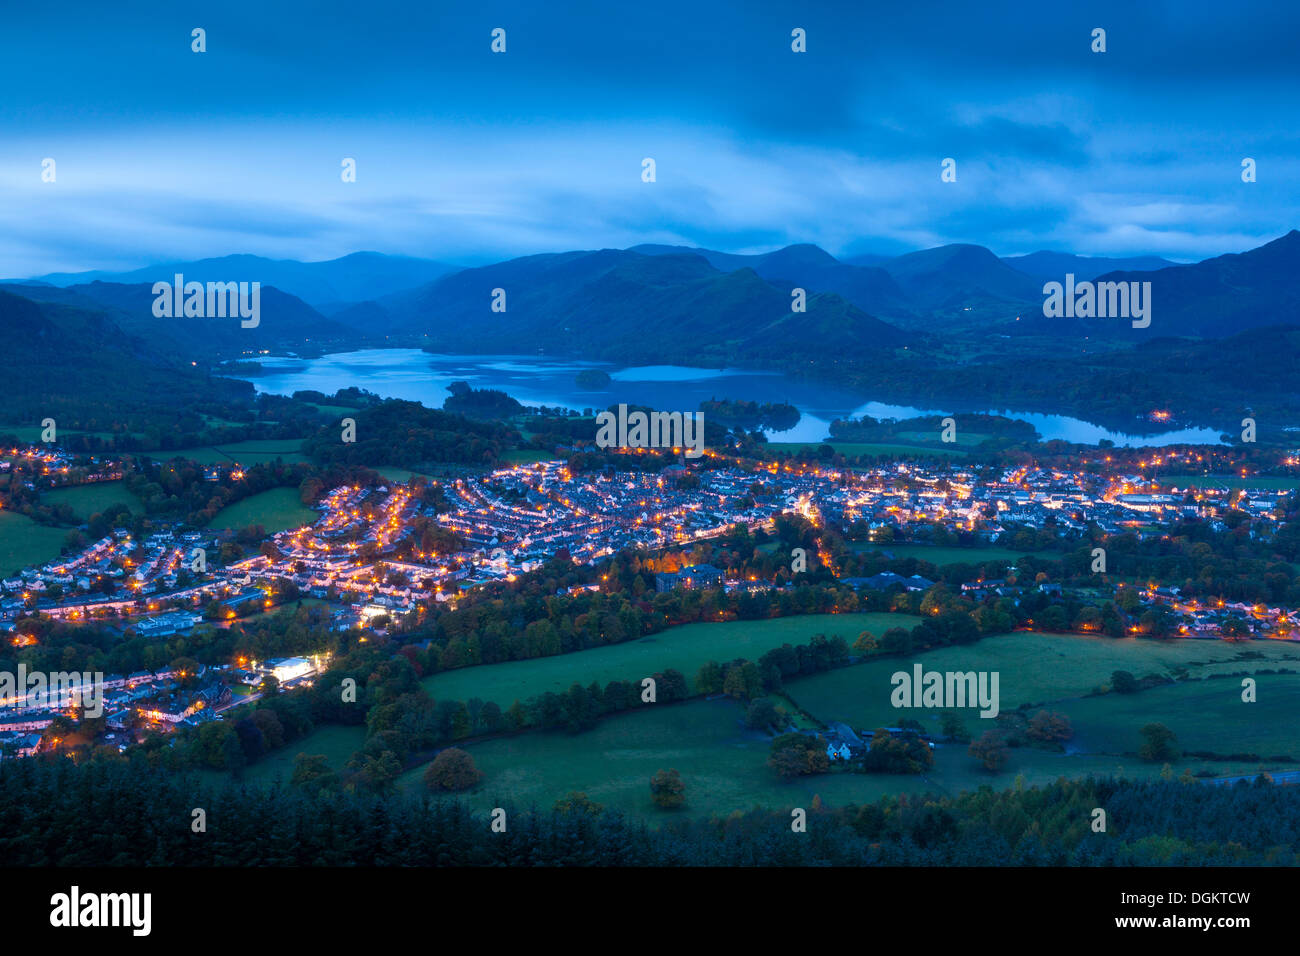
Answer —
(424, 377)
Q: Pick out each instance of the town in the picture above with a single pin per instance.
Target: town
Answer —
(363, 559)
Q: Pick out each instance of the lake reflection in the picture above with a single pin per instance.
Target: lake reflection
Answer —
(421, 376)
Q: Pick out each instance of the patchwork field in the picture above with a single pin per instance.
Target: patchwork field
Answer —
(1032, 669)
(23, 542)
(86, 500)
(724, 766)
(246, 453)
(686, 648)
(276, 510)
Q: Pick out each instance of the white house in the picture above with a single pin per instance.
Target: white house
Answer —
(840, 752)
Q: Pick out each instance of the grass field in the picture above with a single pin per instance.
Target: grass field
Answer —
(400, 475)
(23, 542)
(246, 453)
(685, 648)
(1206, 715)
(1228, 481)
(275, 510)
(866, 448)
(336, 743)
(526, 456)
(724, 766)
(1032, 669)
(86, 500)
(941, 556)
(964, 438)
(34, 433)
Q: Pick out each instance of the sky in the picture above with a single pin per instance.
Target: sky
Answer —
(465, 155)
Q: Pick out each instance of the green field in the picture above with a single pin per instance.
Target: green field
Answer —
(246, 453)
(941, 556)
(34, 433)
(851, 449)
(526, 456)
(337, 743)
(400, 475)
(685, 648)
(1206, 715)
(23, 542)
(86, 500)
(1228, 481)
(964, 438)
(1032, 669)
(724, 766)
(289, 607)
(275, 510)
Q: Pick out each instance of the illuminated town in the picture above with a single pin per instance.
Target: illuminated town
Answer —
(359, 557)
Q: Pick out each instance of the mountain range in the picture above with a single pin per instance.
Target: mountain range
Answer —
(690, 305)
(325, 286)
(940, 326)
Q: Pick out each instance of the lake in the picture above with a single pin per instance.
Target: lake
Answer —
(422, 376)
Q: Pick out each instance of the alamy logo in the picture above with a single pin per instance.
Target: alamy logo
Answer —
(653, 430)
(1099, 300)
(74, 909)
(946, 690)
(37, 689)
(218, 300)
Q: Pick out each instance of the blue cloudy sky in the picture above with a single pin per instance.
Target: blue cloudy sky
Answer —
(463, 155)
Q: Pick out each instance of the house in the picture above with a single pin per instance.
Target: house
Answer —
(701, 576)
(165, 624)
(17, 744)
(837, 751)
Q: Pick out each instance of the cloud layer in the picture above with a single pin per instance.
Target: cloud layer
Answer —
(465, 155)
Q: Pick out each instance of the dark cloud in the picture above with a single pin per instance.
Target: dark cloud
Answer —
(466, 151)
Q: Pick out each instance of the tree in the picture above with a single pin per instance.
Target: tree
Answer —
(906, 753)
(953, 725)
(709, 678)
(452, 770)
(1158, 744)
(312, 773)
(667, 790)
(866, 643)
(761, 714)
(1050, 727)
(377, 774)
(798, 755)
(896, 640)
(492, 718)
(743, 681)
(990, 750)
(577, 802)
(1122, 682)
